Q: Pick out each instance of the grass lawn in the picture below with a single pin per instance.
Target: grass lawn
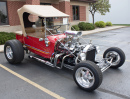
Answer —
(4, 36)
(121, 24)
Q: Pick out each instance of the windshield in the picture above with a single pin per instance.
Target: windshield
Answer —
(41, 27)
(57, 25)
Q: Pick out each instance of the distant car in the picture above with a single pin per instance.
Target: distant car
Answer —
(45, 32)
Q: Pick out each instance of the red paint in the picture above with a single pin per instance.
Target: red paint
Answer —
(20, 38)
(39, 47)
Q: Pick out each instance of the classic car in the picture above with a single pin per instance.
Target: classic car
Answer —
(46, 33)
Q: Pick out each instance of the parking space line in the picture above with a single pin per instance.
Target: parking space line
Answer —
(32, 83)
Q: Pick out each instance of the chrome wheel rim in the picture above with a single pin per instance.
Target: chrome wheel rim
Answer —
(9, 52)
(116, 57)
(85, 77)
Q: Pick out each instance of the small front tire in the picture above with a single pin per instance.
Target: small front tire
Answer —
(14, 51)
(87, 76)
(117, 54)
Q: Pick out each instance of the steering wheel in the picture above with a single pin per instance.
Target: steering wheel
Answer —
(58, 26)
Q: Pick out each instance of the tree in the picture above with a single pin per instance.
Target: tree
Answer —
(101, 6)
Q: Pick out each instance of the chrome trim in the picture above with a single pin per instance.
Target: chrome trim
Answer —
(69, 66)
(55, 60)
(9, 52)
(43, 61)
(104, 64)
(86, 48)
(64, 59)
(85, 77)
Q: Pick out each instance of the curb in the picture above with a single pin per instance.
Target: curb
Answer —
(101, 30)
(1, 48)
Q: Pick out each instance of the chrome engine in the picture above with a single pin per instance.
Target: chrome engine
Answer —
(72, 39)
(73, 51)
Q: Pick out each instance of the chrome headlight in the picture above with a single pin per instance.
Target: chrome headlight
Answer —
(82, 56)
(97, 49)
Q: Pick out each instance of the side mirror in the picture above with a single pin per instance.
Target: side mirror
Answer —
(40, 39)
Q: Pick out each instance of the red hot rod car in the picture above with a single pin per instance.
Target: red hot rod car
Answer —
(45, 32)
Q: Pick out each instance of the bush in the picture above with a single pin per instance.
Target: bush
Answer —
(100, 24)
(6, 36)
(90, 26)
(108, 24)
(82, 26)
(75, 28)
(97, 24)
(86, 26)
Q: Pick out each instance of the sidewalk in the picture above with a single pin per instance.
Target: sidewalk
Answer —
(85, 33)
(1, 48)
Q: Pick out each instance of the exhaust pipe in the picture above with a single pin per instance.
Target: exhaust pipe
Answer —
(41, 60)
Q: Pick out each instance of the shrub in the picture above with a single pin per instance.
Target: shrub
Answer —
(100, 24)
(86, 26)
(82, 26)
(90, 26)
(6, 36)
(108, 24)
(75, 28)
(97, 24)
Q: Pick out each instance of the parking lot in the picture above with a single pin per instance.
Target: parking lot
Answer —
(34, 80)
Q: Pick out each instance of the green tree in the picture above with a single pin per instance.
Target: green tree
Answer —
(101, 6)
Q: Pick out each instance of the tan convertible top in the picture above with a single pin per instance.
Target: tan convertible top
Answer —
(39, 10)
(42, 10)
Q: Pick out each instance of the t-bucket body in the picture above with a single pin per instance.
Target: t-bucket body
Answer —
(46, 33)
(39, 47)
(38, 27)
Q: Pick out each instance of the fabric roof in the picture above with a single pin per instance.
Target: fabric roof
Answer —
(42, 10)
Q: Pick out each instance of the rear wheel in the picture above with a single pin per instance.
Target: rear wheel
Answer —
(87, 76)
(117, 55)
(14, 51)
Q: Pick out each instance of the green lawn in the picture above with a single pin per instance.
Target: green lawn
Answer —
(4, 36)
(121, 24)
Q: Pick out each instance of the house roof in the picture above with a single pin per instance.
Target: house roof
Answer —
(42, 10)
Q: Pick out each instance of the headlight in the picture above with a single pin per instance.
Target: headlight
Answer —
(97, 49)
(82, 56)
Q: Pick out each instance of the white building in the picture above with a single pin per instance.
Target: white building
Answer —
(119, 13)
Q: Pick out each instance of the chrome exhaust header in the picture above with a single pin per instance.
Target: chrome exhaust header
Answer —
(43, 61)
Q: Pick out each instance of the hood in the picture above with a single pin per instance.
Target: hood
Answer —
(54, 38)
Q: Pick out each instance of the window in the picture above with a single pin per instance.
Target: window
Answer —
(45, 3)
(3, 13)
(75, 12)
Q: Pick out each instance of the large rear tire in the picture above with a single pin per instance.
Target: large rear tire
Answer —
(14, 51)
(87, 76)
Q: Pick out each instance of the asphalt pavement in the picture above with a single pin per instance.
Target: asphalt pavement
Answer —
(35, 80)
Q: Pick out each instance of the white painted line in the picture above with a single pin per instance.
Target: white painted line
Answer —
(32, 83)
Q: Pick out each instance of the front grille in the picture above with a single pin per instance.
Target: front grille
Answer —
(91, 55)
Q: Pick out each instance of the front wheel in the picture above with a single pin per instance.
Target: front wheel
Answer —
(117, 55)
(87, 76)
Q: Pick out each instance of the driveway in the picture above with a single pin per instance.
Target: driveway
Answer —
(34, 80)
